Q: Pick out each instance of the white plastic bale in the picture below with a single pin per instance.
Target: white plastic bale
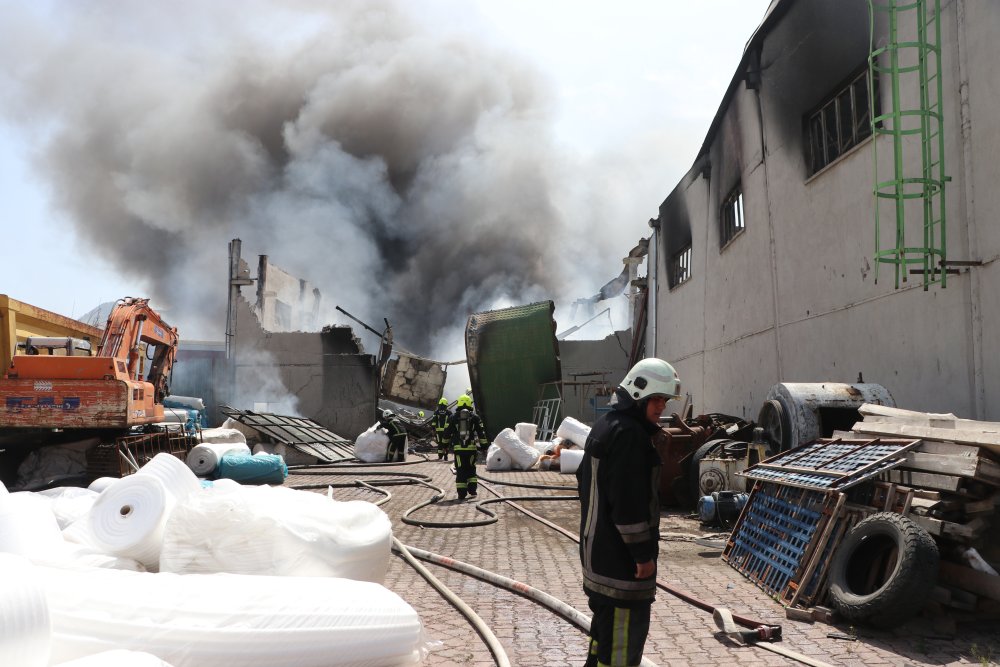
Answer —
(497, 459)
(203, 459)
(573, 430)
(371, 446)
(25, 627)
(232, 620)
(276, 531)
(526, 432)
(521, 455)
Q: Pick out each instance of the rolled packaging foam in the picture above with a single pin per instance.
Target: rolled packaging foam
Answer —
(204, 459)
(25, 627)
(102, 483)
(521, 455)
(569, 460)
(573, 430)
(231, 620)
(117, 658)
(128, 519)
(276, 531)
(497, 459)
(526, 432)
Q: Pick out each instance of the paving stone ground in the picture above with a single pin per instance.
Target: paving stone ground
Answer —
(528, 551)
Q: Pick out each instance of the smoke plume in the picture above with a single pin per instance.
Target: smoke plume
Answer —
(407, 175)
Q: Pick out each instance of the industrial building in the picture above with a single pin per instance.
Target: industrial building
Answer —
(772, 260)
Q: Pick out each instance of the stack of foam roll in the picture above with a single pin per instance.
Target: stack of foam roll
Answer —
(204, 459)
(24, 614)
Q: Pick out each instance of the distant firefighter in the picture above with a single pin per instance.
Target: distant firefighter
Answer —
(440, 419)
(396, 451)
(467, 436)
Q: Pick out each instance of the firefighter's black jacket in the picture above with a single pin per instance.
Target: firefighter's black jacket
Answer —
(620, 506)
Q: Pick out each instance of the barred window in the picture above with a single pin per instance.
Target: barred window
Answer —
(680, 267)
(731, 216)
(841, 122)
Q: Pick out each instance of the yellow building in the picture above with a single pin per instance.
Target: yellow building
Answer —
(19, 321)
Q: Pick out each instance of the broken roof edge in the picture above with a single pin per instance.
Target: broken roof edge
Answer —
(775, 11)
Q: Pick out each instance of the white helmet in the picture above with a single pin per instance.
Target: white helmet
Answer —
(652, 377)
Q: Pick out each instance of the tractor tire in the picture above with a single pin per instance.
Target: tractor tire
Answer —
(884, 570)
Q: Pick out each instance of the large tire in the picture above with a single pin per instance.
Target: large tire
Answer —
(883, 543)
(707, 450)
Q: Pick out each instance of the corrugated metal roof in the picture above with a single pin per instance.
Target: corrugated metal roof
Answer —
(299, 433)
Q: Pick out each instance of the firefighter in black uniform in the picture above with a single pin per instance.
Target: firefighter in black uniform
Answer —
(467, 437)
(396, 451)
(620, 519)
(440, 419)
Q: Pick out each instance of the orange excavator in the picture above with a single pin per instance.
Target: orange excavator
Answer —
(105, 391)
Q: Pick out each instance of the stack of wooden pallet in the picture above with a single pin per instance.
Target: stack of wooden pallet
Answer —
(952, 482)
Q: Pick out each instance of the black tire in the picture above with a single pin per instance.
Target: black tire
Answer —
(777, 425)
(883, 543)
(708, 449)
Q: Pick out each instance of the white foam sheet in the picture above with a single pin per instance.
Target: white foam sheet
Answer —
(25, 628)
(497, 459)
(573, 430)
(569, 460)
(522, 456)
(276, 531)
(29, 528)
(203, 459)
(177, 478)
(69, 503)
(102, 483)
(117, 658)
(526, 432)
(232, 620)
(371, 446)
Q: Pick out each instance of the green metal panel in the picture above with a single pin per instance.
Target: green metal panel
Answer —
(512, 353)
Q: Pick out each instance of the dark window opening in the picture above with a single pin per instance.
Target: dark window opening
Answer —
(680, 267)
(733, 221)
(841, 122)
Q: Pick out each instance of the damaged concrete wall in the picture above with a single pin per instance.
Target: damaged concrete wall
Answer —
(793, 297)
(323, 376)
(414, 381)
(602, 363)
(284, 302)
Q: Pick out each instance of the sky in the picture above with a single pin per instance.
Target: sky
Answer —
(416, 160)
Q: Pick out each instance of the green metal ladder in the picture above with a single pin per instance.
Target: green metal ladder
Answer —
(915, 192)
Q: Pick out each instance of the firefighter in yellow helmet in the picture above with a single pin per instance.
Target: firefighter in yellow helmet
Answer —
(440, 420)
(468, 437)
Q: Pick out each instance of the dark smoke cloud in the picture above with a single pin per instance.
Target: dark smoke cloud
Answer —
(407, 175)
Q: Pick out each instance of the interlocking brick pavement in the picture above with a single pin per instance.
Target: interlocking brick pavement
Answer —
(526, 550)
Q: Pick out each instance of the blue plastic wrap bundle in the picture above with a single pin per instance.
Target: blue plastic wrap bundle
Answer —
(257, 469)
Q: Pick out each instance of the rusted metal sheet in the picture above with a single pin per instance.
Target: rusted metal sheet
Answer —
(36, 403)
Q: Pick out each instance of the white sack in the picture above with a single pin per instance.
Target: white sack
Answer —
(231, 620)
(526, 432)
(203, 459)
(25, 628)
(522, 456)
(497, 459)
(276, 531)
(117, 658)
(569, 460)
(573, 430)
(371, 445)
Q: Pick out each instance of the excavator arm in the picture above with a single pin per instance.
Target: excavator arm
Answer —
(131, 323)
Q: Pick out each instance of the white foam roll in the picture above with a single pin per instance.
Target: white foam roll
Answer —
(231, 620)
(497, 459)
(25, 627)
(28, 527)
(573, 430)
(128, 518)
(223, 435)
(569, 460)
(102, 483)
(526, 432)
(117, 658)
(522, 456)
(203, 459)
(175, 476)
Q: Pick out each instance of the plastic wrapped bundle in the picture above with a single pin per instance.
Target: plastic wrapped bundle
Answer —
(231, 620)
(573, 430)
(25, 632)
(497, 459)
(522, 456)
(276, 531)
(371, 446)
(204, 459)
(526, 432)
(255, 469)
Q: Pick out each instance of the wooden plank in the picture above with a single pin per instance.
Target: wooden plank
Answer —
(975, 467)
(987, 506)
(959, 532)
(926, 480)
(989, 439)
(950, 448)
(967, 579)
